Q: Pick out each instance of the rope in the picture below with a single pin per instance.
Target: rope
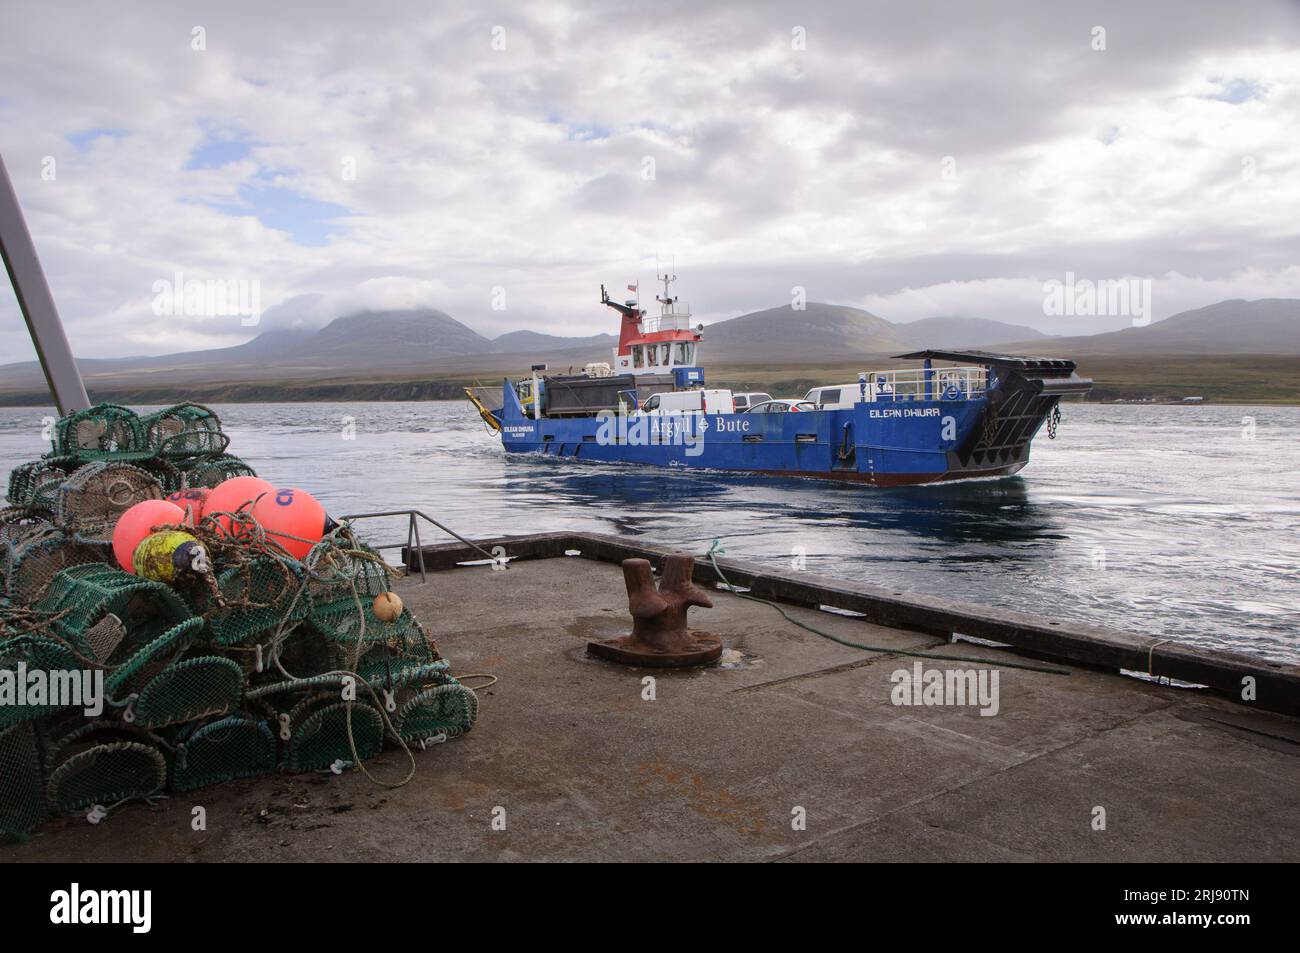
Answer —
(323, 564)
(478, 688)
(715, 548)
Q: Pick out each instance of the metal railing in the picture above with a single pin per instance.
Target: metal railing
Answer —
(412, 543)
(916, 383)
(678, 321)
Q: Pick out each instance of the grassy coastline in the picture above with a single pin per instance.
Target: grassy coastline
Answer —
(1238, 379)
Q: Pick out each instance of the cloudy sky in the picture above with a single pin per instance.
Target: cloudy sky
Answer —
(500, 164)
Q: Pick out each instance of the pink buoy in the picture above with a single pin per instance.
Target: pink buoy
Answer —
(191, 501)
(293, 518)
(137, 523)
(231, 495)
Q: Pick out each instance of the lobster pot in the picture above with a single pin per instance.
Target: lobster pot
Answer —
(100, 432)
(157, 688)
(17, 521)
(410, 661)
(87, 595)
(303, 651)
(197, 687)
(94, 497)
(210, 472)
(100, 763)
(23, 655)
(261, 596)
(448, 710)
(236, 746)
(35, 485)
(184, 431)
(320, 728)
(22, 786)
(32, 556)
(343, 573)
(343, 621)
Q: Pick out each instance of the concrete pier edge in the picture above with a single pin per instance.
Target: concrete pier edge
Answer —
(1276, 685)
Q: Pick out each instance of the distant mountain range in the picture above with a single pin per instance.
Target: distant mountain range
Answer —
(427, 343)
(1265, 326)
(830, 332)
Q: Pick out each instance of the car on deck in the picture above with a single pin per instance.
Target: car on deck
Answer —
(781, 405)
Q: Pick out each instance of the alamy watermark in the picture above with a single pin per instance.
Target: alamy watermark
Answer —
(209, 297)
(127, 907)
(954, 686)
(653, 430)
(61, 688)
(1107, 297)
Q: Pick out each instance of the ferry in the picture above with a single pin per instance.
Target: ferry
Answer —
(962, 414)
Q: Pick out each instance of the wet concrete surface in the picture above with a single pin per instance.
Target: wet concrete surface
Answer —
(579, 764)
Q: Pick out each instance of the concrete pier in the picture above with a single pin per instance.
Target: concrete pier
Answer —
(791, 748)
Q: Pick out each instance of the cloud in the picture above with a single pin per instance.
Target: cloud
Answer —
(913, 158)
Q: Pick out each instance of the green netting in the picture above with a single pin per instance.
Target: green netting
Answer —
(85, 594)
(22, 786)
(258, 598)
(389, 671)
(184, 431)
(302, 650)
(320, 729)
(449, 710)
(237, 746)
(31, 556)
(101, 763)
(338, 620)
(195, 688)
(101, 432)
(139, 664)
(215, 470)
(20, 657)
(339, 573)
(94, 497)
(35, 485)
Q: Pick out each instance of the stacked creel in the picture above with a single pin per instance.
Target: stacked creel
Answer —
(265, 663)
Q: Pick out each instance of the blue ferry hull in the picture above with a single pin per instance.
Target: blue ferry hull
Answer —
(888, 443)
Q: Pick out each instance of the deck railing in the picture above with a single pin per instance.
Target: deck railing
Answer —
(413, 544)
(651, 323)
(917, 383)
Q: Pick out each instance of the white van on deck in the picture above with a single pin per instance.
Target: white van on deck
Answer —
(690, 402)
(835, 396)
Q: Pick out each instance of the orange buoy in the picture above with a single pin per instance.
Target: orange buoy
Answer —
(191, 501)
(231, 495)
(137, 523)
(293, 518)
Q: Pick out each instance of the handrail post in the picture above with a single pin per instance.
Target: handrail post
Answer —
(415, 525)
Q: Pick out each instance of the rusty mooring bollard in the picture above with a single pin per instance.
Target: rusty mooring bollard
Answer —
(660, 638)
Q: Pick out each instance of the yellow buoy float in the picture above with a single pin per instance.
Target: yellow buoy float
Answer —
(169, 556)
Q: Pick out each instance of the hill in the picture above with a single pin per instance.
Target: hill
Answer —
(1265, 326)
